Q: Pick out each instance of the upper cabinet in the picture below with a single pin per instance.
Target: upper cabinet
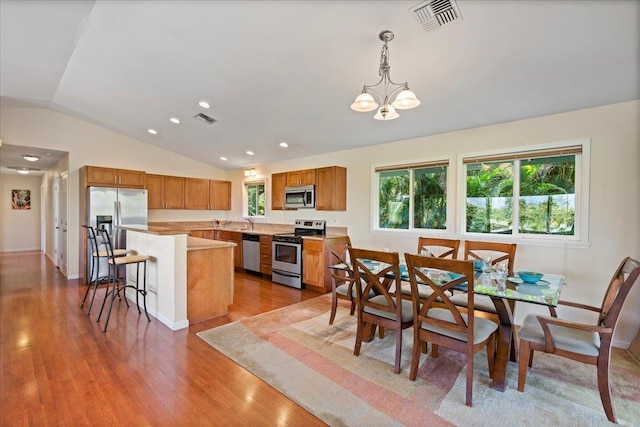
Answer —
(330, 182)
(155, 191)
(196, 193)
(173, 192)
(220, 195)
(278, 182)
(114, 177)
(331, 189)
(302, 177)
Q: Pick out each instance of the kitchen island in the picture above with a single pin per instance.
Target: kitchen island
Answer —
(189, 279)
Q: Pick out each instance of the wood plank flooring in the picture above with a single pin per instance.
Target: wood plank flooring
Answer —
(57, 367)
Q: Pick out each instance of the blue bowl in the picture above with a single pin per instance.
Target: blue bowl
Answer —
(530, 276)
(477, 265)
(455, 276)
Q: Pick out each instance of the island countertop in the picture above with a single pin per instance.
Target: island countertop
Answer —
(198, 244)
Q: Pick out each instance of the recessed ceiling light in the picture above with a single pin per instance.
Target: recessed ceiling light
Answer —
(250, 153)
(204, 104)
(223, 158)
(30, 157)
(284, 144)
(174, 120)
(23, 171)
(152, 131)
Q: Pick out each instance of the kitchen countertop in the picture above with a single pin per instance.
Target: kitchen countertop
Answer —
(198, 244)
(266, 229)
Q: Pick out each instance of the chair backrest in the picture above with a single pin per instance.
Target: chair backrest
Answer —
(378, 272)
(104, 234)
(417, 267)
(441, 248)
(499, 252)
(338, 253)
(91, 237)
(621, 282)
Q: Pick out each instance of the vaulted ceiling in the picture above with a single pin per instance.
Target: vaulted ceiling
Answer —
(288, 71)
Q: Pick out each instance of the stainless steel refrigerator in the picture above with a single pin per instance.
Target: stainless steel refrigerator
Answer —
(108, 208)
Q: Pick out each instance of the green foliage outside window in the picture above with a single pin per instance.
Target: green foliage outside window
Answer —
(429, 194)
(255, 199)
(546, 203)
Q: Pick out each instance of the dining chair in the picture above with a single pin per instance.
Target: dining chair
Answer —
(379, 273)
(437, 320)
(581, 342)
(342, 281)
(441, 248)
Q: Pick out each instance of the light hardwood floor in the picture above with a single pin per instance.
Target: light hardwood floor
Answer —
(57, 367)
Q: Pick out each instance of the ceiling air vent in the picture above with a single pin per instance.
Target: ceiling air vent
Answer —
(204, 118)
(432, 14)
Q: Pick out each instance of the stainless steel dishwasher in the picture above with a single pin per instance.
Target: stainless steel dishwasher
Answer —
(251, 252)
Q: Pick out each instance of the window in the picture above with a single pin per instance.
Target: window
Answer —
(527, 194)
(412, 196)
(255, 198)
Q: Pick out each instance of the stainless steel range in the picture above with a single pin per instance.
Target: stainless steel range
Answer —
(286, 262)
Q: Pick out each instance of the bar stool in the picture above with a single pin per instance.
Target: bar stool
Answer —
(96, 255)
(121, 283)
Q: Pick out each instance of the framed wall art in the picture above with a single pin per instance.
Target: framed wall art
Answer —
(21, 199)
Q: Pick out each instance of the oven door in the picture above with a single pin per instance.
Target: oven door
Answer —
(286, 257)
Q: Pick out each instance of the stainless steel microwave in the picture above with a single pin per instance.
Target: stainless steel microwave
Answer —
(300, 197)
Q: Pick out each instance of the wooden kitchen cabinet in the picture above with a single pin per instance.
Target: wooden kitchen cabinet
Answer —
(278, 182)
(301, 177)
(155, 191)
(196, 193)
(331, 189)
(173, 192)
(315, 271)
(219, 195)
(114, 177)
(232, 237)
(265, 254)
(197, 233)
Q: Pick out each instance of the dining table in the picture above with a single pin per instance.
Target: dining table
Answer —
(545, 292)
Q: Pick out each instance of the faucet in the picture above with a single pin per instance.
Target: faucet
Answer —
(250, 222)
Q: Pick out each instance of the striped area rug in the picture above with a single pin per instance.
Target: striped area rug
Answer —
(295, 350)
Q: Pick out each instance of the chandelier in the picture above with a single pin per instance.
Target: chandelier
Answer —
(404, 100)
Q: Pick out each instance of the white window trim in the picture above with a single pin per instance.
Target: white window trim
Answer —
(245, 196)
(579, 240)
(375, 198)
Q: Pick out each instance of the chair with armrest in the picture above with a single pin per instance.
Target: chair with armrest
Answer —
(379, 273)
(440, 322)
(584, 343)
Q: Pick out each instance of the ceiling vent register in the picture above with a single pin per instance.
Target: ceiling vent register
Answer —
(204, 118)
(433, 14)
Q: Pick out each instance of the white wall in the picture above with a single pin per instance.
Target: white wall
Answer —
(19, 228)
(614, 225)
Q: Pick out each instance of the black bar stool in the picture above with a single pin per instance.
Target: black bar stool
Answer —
(96, 255)
(121, 283)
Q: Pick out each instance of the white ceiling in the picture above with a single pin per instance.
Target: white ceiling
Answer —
(288, 70)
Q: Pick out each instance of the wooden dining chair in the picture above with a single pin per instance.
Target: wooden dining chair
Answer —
(441, 248)
(379, 273)
(437, 320)
(584, 343)
(342, 281)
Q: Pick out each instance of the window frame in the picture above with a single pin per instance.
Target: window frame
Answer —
(411, 231)
(580, 239)
(245, 196)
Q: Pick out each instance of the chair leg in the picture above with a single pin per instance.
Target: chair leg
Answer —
(469, 394)
(415, 354)
(353, 307)
(137, 287)
(396, 368)
(434, 350)
(359, 332)
(334, 307)
(524, 362)
(491, 354)
(144, 292)
(604, 387)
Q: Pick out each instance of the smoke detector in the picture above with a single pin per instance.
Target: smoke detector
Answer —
(433, 14)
